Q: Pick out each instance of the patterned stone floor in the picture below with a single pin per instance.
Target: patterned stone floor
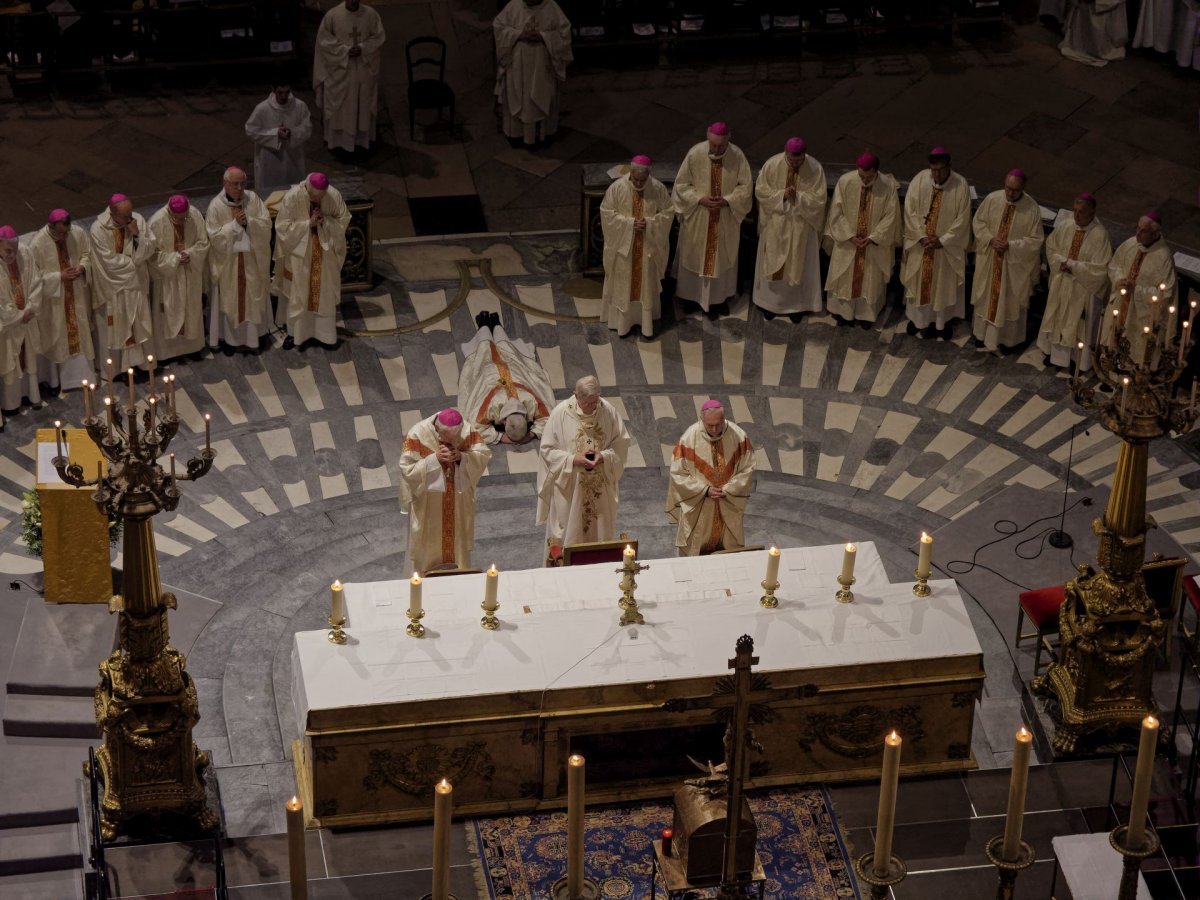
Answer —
(860, 434)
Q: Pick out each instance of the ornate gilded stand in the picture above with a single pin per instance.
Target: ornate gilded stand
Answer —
(336, 634)
(921, 588)
(630, 615)
(1132, 863)
(844, 594)
(146, 704)
(415, 628)
(1008, 869)
(881, 885)
(769, 600)
(489, 620)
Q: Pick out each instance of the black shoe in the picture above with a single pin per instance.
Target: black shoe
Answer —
(768, 315)
(929, 332)
(865, 325)
(484, 319)
(289, 342)
(494, 319)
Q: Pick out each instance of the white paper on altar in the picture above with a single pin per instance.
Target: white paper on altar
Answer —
(46, 451)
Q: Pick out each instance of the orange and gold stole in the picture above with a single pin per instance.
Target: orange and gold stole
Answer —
(1131, 276)
(862, 229)
(64, 262)
(1010, 210)
(717, 474)
(18, 287)
(639, 245)
(504, 382)
(714, 220)
(935, 207)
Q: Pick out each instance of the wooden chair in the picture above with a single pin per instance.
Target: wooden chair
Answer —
(1042, 607)
(1191, 590)
(1164, 583)
(597, 551)
(427, 93)
(451, 570)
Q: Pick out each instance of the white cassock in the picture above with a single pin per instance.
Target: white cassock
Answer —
(1155, 25)
(1095, 32)
(278, 163)
(440, 500)
(856, 286)
(1075, 298)
(701, 462)
(787, 272)
(1002, 285)
(634, 261)
(20, 342)
(706, 259)
(311, 263)
(178, 287)
(577, 505)
(347, 87)
(528, 73)
(1147, 269)
(498, 379)
(121, 290)
(1187, 34)
(68, 354)
(933, 278)
(239, 272)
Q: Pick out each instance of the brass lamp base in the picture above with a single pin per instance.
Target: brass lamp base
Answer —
(864, 870)
(768, 600)
(589, 890)
(1008, 869)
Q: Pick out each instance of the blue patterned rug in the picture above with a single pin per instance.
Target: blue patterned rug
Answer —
(799, 843)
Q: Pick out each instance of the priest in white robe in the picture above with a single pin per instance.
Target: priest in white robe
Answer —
(937, 233)
(1095, 32)
(239, 265)
(712, 475)
(713, 193)
(346, 74)
(61, 251)
(1141, 270)
(504, 392)
(20, 331)
(533, 49)
(440, 466)
(636, 216)
(279, 126)
(861, 233)
(122, 250)
(1078, 252)
(310, 248)
(177, 278)
(1008, 255)
(582, 453)
(792, 193)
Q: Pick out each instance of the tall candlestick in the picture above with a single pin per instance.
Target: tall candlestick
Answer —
(1183, 339)
(57, 437)
(297, 865)
(1143, 776)
(337, 605)
(1154, 308)
(207, 431)
(848, 562)
(171, 397)
(925, 560)
(442, 811)
(575, 806)
(108, 406)
(1116, 322)
(414, 594)
(1078, 358)
(150, 360)
(888, 785)
(172, 458)
(153, 402)
(109, 365)
(773, 565)
(492, 585)
(1170, 320)
(1016, 793)
(132, 397)
(1124, 394)
(87, 407)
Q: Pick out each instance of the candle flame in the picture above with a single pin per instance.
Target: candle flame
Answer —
(628, 548)
(1154, 298)
(109, 361)
(925, 537)
(1162, 286)
(149, 358)
(294, 804)
(1171, 310)
(850, 548)
(108, 401)
(1125, 381)
(1080, 345)
(493, 570)
(85, 383)
(1149, 722)
(1023, 733)
(444, 786)
(207, 417)
(893, 738)
(1122, 294)
(57, 423)
(774, 551)
(337, 584)
(416, 579)
(575, 760)
(1145, 329)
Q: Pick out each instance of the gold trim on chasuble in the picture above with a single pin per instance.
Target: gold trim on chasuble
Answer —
(18, 289)
(790, 183)
(180, 246)
(119, 247)
(64, 261)
(590, 436)
(448, 496)
(714, 220)
(1135, 269)
(314, 270)
(862, 228)
(504, 382)
(931, 219)
(1010, 210)
(639, 246)
(717, 475)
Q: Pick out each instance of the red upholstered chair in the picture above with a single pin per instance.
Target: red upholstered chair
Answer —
(597, 551)
(1041, 607)
(1191, 592)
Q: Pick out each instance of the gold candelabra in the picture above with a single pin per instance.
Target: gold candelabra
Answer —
(630, 614)
(1109, 627)
(146, 704)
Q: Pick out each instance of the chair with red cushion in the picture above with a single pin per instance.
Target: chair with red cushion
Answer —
(1191, 592)
(597, 551)
(1041, 607)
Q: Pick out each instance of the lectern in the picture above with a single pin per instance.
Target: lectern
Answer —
(75, 548)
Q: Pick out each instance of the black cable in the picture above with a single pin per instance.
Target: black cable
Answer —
(16, 584)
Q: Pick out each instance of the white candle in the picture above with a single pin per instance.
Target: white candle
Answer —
(1143, 776)
(150, 360)
(172, 458)
(153, 410)
(108, 406)
(1124, 394)
(888, 785)
(773, 566)
(925, 560)
(109, 363)
(848, 562)
(87, 406)
(132, 398)
(207, 430)
(414, 594)
(1112, 337)
(491, 587)
(171, 398)
(337, 602)
(442, 812)
(1183, 339)
(575, 806)
(630, 555)
(1170, 320)
(57, 437)
(1078, 357)
(297, 865)
(1017, 786)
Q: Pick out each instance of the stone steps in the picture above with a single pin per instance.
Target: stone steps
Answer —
(48, 716)
(57, 885)
(39, 848)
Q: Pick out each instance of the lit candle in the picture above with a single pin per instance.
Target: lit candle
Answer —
(108, 406)
(1078, 357)
(491, 586)
(1143, 775)
(414, 594)
(171, 398)
(575, 805)
(153, 405)
(109, 364)
(888, 785)
(87, 406)
(848, 562)
(442, 792)
(1170, 320)
(58, 437)
(132, 398)
(1154, 308)
(1124, 394)
(1183, 339)
(337, 606)
(297, 866)
(1016, 794)
(925, 560)
(207, 430)
(1112, 336)
(172, 458)
(630, 555)
(150, 360)
(773, 566)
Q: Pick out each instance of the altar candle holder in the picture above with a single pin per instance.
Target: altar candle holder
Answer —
(844, 594)
(768, 600)
(415, 628)
(881, 885)
(1008, 869)
(922, 588)
(1132, 858)
(630, 615)
(336, 635)
(490, 602)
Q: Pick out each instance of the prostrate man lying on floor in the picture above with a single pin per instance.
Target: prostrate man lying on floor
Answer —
(502, 390)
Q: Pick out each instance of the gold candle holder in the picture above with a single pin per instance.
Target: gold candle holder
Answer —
(768, 600)
(844, 594)
(1133, 857)
(881, 885)
(922, 588)
(589, 890)
(336, 635)
(415, 628)
(630, 615)
(489, 620)
(1008, 869)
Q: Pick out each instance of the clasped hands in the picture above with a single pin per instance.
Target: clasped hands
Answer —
(586, 461)
(447, 455)
(931, 243)
(713, 202)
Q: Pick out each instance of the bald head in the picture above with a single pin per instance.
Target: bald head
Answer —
(235, 183)
(121, 212)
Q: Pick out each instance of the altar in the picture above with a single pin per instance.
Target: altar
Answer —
(385, 715)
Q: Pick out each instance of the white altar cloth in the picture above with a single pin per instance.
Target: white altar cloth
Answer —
(559, 629)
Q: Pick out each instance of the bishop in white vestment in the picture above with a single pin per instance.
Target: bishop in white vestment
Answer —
(177, 277)
(1143, 268)
(122, 249)
(20, 333)
(1095, 32)
(239, 265)
(440, 466)
(346, 74)
(713, 193)
(636, 217)
(1008, 252)
(1078, 252)
(61, 253)
(503, 391)
(712, 475)
(583, 453)
(279, 126)
(792, 194)
(533, 49)
(860, 235)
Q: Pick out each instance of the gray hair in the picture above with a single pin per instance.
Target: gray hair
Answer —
(587, 386)
(231, 171)
(516, 426)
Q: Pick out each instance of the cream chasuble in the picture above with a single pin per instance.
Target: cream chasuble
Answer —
(698, 463)
(278, 163)
(495, 375)
(787, 276)
(634, 261)
(1071, 294)
(178, 287)
(528, 73)
(440, 500)
(857, 281)
(1147, 269)
(121, 289)
(933, 278)
(20, 342)
(347, 87)
(1002, 285)
(311, 263)
(66, 316)
(239, 269)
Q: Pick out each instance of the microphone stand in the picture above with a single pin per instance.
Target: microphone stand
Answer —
(1059, 538)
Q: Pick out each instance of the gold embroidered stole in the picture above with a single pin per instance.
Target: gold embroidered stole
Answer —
(717, 474)
(18, 288)
(119, 247)
(64, 262)
(1135, 269)
(314, 270)
(714, 220)
(862, 229)
(1010, 210)
(639, 247)
(935, 207)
